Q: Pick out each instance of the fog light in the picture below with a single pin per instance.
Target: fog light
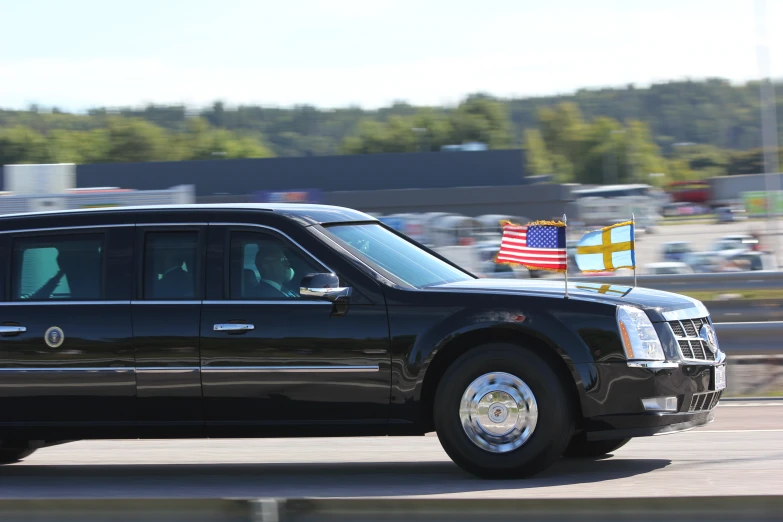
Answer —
(660, 404)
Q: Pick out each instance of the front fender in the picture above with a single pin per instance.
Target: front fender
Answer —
(418, 339)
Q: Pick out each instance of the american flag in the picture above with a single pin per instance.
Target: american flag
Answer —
(539, 247)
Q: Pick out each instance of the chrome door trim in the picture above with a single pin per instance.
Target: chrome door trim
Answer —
(50, 302)
(270, 302)
(168, 369)
(290, 369)
(165, 302)
(78, 369)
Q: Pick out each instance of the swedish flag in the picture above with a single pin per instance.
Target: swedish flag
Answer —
(610, 248)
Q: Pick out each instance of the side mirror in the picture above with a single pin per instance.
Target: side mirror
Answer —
(323, 286)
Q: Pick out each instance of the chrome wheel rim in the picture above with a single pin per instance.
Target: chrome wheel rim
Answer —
(498, 412)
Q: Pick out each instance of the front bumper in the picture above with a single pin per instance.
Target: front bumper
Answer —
(613, 408)
(646, 424)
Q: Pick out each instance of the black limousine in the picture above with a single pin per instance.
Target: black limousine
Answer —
(245, 320)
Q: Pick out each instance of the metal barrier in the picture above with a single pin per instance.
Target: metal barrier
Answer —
(671, 509)
(745, 310)
(749, 338)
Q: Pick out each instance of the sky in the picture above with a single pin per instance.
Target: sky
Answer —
(78, 54)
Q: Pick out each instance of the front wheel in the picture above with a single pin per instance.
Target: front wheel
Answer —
(502, 412)
(580, 447)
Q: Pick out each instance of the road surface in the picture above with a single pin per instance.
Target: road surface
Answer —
(740, 453)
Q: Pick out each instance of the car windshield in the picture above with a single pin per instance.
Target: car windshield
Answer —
(392, 255)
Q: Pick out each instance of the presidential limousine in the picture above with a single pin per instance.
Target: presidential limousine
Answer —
(246, 320)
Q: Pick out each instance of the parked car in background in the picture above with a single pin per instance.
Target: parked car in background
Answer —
(751, 261)
(736, 242)
(667, 268)
(676, 250)
(730, 214)
(703, 262)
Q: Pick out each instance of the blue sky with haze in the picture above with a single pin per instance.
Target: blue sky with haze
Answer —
(82, 53)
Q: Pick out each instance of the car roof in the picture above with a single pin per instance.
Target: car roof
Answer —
(304, 212)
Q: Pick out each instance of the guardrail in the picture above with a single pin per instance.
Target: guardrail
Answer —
(671, 509)
(750, 338)
(745, 310)
(724, 281)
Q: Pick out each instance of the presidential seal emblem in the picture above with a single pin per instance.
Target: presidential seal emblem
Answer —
(54, 337)
(707, 335)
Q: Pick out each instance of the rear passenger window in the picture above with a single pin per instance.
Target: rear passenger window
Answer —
(57, 267)
(170, 265)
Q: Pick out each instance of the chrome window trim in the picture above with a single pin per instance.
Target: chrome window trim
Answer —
(290, 369)
(178, 224)
(75, 227)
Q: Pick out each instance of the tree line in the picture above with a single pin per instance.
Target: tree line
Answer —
(672, 131)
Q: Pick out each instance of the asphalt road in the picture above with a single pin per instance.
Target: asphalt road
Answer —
(740, 453)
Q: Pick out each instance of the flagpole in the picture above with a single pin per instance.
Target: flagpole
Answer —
(566, 270)
(633, 220)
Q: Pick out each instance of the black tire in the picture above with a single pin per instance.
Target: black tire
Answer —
(552, 433)
(580, 447)
(14, 452)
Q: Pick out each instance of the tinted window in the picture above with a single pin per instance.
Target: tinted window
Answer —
(393, 255)
(57, 267)
(263, 266)
(170, 260)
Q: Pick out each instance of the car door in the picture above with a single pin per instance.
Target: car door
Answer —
(270, 356)
(66, 354)
(166, 321)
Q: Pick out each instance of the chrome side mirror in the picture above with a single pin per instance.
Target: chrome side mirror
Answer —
(323, 286)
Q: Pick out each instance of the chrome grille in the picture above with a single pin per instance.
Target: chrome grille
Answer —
(691, 345)
(704, 401)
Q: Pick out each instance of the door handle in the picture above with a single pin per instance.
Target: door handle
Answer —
(233, 327)
(5, 329)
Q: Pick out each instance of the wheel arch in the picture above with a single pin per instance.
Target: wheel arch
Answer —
(456, 347)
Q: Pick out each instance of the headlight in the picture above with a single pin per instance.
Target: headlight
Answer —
(640, 340)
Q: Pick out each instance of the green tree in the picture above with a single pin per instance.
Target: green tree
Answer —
(133, 140)
(20, 144)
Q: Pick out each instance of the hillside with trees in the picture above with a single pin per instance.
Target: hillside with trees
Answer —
(677, 130)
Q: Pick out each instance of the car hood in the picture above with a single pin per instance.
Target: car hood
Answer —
(659, 305)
